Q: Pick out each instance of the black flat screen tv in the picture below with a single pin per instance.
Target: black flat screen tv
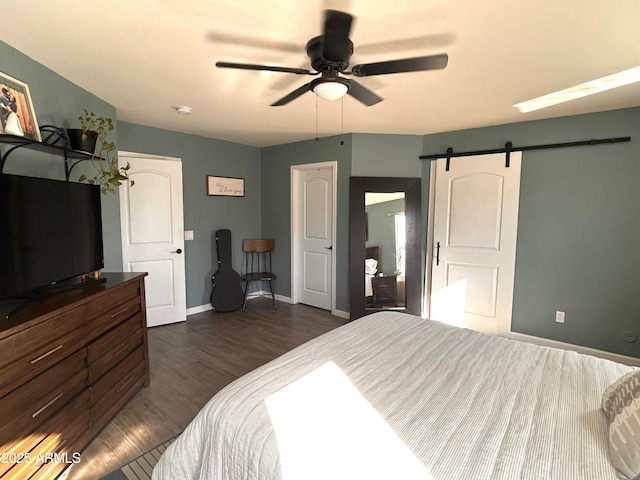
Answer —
(50, 232)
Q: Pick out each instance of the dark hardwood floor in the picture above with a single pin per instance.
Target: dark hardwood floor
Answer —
(190, 362)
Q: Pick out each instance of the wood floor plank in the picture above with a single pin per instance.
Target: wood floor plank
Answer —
(190, 362)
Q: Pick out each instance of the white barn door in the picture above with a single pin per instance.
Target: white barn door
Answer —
(474, 242)
(151, 216)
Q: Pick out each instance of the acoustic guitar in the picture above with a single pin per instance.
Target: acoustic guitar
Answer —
(226, 294)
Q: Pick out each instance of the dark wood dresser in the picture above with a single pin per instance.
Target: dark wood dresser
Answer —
(68, 363)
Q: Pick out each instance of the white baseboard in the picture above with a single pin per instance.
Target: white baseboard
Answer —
(616, 357)
(341, 314)
(263, 293)
(207, 307)
(199, 309)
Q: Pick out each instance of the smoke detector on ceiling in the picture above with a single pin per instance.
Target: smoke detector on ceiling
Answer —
(183, 110)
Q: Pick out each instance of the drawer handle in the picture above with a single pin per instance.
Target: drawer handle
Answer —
(120, 312)
(34, 415)
(44, 355)
(124, 384)
(122, 348)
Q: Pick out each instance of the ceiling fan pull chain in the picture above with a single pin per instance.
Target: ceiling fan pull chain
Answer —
(317, 138)
(342, 121)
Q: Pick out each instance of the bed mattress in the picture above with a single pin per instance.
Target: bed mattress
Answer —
(394, 394)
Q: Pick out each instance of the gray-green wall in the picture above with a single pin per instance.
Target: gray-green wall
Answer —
(578, 231)
(57, 101)
(578, 228)
(202, 213)
(381, 232)
(276, 205)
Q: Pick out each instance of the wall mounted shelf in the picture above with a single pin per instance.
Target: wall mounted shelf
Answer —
(71, 157)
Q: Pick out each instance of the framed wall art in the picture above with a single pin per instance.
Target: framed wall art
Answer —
(225, 186)
(17, 116)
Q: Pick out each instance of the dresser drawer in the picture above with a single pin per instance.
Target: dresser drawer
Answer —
(35, 349)
(114, 400)
(37, 409)
(40, 390)
(119, 377)
(107, 350)
(110, 310)
(60, 434)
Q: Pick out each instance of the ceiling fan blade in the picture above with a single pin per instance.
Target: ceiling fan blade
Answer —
(292, 96)
(337, 24)
(363, 94)
(252, 42)
(247, 66)
(432, 40)
(417, 64)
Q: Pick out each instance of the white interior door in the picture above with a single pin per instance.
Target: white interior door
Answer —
(474, 242)
(313, 218)
(153, 233)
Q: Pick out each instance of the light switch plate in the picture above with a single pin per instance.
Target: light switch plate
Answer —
(188, 234)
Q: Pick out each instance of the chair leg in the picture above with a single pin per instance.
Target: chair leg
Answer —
(244, 301)
(273, 294)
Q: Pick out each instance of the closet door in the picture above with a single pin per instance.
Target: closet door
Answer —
(474, 242)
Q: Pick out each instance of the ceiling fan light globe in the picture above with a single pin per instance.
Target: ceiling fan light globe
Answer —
(330, 90)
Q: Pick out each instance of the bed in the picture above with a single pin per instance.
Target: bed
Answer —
(392, 395)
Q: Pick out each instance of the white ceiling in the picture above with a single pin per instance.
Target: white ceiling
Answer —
(145, 56)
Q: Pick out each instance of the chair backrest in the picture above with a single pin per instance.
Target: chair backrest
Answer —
(258, 245)
(257, 254)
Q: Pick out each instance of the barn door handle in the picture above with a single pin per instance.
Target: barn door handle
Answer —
(438, 253)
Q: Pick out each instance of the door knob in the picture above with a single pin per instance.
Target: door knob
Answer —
(178, 251)
(330, 247)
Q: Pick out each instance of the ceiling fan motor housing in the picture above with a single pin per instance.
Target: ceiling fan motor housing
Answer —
(328, 52)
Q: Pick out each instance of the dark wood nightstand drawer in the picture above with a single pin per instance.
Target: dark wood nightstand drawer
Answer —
(385, 291)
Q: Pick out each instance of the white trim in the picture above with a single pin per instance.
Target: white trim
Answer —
(426, 297)
(199, 309)
(122, 153)
(341, 314)
(616, 357)
(280, 298)
(295, 211)
(267, 294)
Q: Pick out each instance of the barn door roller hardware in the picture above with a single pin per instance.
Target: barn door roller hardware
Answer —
(508, 148)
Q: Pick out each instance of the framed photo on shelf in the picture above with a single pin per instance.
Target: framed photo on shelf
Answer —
(17, 116)
(225, 186)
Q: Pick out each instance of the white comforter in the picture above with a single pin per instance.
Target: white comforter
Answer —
(456, 404)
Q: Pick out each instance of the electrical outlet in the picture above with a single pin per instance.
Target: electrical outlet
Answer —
(560, 317)
(188, 234)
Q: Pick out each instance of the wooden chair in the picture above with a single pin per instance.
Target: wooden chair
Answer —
(257, 265)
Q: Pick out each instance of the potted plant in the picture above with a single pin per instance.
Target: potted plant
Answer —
(109, 175)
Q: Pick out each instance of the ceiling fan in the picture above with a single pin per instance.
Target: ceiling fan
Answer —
(330, 54)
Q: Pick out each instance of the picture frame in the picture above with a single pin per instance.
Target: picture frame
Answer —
(15, 100)
(225, 186)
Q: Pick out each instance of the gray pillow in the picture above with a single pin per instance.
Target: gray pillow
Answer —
(621, 403)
